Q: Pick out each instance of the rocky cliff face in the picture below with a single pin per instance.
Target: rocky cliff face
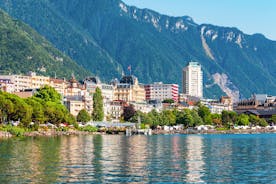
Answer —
(106, 36)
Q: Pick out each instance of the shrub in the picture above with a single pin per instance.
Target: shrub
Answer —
(143, 126)
(16, 131)
(63, 129)
(89, 129)
(222, 128)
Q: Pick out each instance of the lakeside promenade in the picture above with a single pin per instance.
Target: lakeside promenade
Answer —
(51, 133)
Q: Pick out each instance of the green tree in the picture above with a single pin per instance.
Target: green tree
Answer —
(55, 113)
(98, 113)
(44, 106)
(216, 120)
(145, 118)
(167, 117)
(197, 120)
(20, 110)
(188, 120)
(228, 118)
(38, 110)
(273, 118)
(170, 101)
(225, 118)
(254, 120)
(243, 119)
(179, 117)
(6, 108)
(205, 114)
(48, 93)
(71, 120)
(155, 117)
(83, 116)
(128, 112)
(263, 122)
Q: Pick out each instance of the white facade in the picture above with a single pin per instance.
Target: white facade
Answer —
(160, 91)
(192, 80)
(30, 81)
(143, 107)
(107, 92)
(217, 108)
(6, 85)
(91, 83)
(76, 103)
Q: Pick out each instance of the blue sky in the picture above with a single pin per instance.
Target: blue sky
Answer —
(250, 16)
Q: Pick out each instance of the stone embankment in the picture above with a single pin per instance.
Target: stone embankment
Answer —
(154, 132)
(5, 134)
(232, 131)
(57, 133)
(47, 133)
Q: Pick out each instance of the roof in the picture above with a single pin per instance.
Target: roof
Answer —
(130, 79)
(54, 80)
(193, 63)
(261, 112)
(74, 98)
(260, 97)
(95, 80)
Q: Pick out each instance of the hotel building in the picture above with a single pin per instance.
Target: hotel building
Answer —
(192, 80)
(129, 90)
(30, 81)
(160, 91)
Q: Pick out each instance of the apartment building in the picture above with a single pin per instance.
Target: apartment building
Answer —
(160, 91)
(192, 80)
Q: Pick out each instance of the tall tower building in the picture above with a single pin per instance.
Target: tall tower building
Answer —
(192, 80)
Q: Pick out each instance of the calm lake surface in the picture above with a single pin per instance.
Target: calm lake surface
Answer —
(140, 159)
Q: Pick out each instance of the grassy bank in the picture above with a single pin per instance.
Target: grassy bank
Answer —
(14, 130)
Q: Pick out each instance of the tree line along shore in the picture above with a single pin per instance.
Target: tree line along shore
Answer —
(44, 108)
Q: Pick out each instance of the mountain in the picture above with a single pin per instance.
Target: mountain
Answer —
(22, 50)
(106, 36)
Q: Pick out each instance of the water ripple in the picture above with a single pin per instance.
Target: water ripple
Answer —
(140, 159)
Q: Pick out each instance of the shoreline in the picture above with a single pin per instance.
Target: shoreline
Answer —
(232, 131)
(54, 133)
(51, 133)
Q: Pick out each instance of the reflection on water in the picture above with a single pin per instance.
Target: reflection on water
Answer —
(29, 161)
(139, 159)
(194, 159)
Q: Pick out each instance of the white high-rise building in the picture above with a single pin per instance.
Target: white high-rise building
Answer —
(192, 80)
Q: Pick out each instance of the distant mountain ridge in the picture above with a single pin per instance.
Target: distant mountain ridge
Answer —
(23, 50)
(106, 36)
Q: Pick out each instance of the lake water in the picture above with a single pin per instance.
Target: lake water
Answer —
(140, 159)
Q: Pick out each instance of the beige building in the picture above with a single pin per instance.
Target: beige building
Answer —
(37, 81)
(76, 103)
(129, 90)
(143, 107)
(257, 101)
(30, 81)
(76, 97)
(116, 109)
(74, 88)
(217, 106)
(60, 85)
(91, 83)
(6, 85)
